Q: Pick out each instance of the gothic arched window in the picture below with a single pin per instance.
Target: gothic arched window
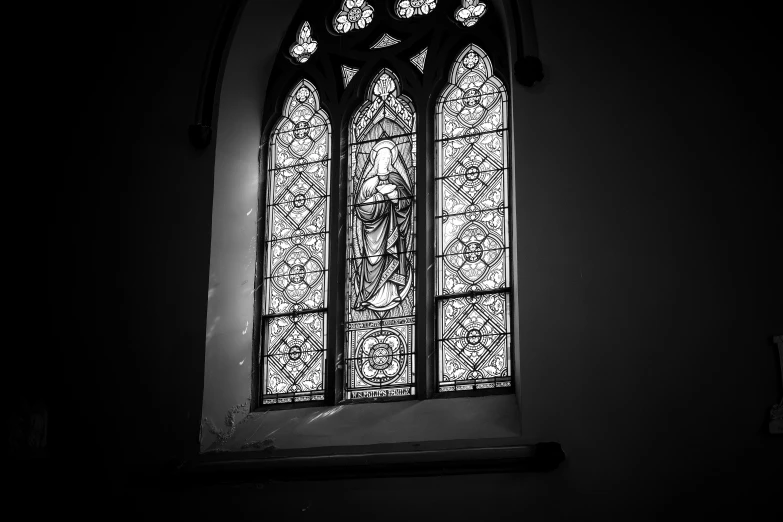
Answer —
(384, 249)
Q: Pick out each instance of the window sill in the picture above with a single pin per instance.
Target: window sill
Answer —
(379, 460)
(438, 436)
(458, 418)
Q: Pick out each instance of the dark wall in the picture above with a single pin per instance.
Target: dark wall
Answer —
(121, 231)
(652, 263)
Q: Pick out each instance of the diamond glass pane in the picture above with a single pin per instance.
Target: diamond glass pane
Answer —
(472, 227)
(380, 293)
(296, 251)
(474, 346)
(296, 358)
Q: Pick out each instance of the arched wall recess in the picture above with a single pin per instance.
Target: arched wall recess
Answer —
(337, 98)
(200, 132)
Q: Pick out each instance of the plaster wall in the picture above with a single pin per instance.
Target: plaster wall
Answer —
(228, 360)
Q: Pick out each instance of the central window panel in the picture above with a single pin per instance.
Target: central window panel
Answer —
(381, 257)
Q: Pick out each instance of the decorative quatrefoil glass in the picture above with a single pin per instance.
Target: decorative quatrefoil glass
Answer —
(354, 15)
(470, 12)
(409, 8)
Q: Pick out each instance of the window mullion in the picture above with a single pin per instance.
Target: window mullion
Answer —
(425, 243)
(337, 302)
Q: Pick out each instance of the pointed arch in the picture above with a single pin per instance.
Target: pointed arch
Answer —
(296, 251)
(472, 227)
(381, 252)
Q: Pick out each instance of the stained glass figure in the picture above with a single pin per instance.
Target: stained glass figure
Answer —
(353, 15)
(348, 74)
(385, 41)
(296, 251)
(470, 12)
(305, 46)
(409, 8)
(471, 227)
(419, 59)
(380, 294)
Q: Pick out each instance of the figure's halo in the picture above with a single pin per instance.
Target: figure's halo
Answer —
(384, 144)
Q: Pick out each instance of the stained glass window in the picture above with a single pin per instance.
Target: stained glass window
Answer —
(305, 45)
(381, 228)
(470, 12)
(348, 74)
(423, 303)
(471, 227)
(409, 8)
(296, 248)
(420, 59)
(385, 41)
(353, 15)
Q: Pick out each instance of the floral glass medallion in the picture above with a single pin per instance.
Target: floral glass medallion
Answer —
(305, 46)
(409, 8)
(470, 12)
(419, 59)
(385, 41)
(348, 74)
(354, 15)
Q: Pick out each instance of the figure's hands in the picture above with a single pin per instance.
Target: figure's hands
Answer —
(386, 189)
(389, 190)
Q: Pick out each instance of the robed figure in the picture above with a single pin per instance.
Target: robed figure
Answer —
(382, 231)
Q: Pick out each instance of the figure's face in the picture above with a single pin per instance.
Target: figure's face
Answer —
(383, 160)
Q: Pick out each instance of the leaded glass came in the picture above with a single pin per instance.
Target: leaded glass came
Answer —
(380, 298)
(296, 251)
(471, 226)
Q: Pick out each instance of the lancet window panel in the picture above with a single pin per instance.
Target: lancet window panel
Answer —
(472, 227)
(296, 250)
(381, 237)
